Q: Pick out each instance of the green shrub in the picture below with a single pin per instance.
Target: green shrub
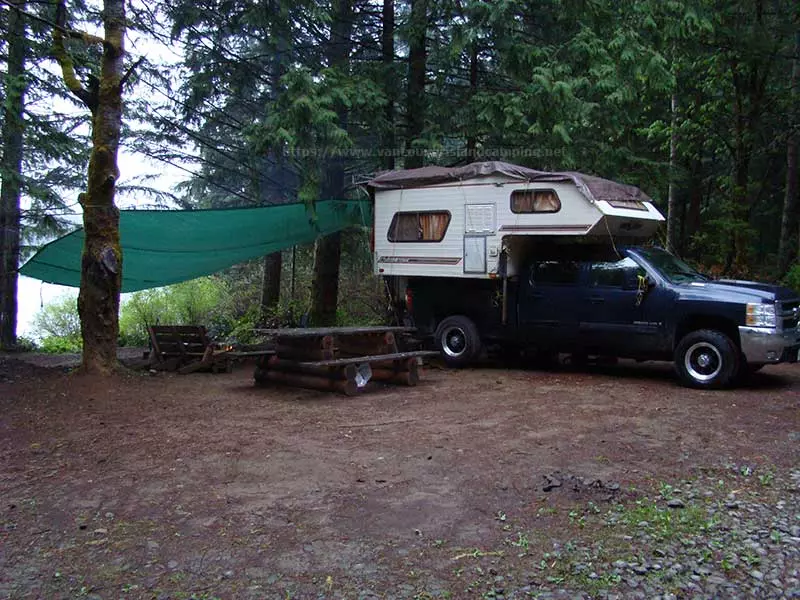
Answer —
(792, 278)
(141, 310)
(59, 318)
(58, 325)
(201, 301)
(60, 345)
(241, 329)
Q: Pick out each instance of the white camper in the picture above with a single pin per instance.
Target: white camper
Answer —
(457, 222)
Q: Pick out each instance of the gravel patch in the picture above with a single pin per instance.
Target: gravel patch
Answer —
(702, 540)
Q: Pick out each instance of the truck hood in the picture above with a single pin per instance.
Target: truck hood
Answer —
(742, 290)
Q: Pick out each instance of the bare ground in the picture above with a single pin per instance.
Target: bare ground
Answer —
(205, 486)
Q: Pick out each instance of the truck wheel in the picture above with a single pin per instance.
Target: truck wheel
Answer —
(707, 359)
(458, 340)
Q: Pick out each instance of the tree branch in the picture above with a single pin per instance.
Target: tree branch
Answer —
(86, 95)
(68, 71)
(70, 33)
(130, 72)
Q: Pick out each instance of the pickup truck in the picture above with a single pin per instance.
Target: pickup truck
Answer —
(640, 302)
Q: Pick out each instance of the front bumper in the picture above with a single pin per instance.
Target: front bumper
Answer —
(764, 345)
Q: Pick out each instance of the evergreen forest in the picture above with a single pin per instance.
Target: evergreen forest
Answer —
(259, 102)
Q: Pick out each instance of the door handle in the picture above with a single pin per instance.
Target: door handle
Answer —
(596, 299)
(537, 295)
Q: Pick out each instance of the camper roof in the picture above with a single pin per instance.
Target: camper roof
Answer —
(594, 188)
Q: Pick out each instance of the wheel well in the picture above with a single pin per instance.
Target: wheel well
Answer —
(458, 311)
(696, 322)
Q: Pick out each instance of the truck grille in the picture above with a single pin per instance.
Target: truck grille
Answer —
(788, 313)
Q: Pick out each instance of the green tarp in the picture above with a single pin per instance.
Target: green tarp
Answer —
(160, 247)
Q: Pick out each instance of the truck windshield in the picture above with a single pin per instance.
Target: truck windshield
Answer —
(670, 267)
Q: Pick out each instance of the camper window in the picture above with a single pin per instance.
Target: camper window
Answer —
(535, 201)
(632, 204)
(419, 226)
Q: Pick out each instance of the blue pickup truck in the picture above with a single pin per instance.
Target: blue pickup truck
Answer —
(635, 302)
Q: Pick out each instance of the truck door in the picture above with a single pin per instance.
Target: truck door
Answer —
(548, 304)
(611, 312)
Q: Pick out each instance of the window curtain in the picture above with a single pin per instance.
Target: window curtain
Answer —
(535, 201)
(432, 226)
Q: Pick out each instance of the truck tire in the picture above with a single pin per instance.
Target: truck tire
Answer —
(458, 340)
(707, 359)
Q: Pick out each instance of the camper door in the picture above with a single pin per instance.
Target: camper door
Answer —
(480, 223)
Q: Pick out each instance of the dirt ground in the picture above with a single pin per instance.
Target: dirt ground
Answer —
(170, 486)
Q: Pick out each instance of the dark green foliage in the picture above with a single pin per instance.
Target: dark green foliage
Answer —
(792, 278)
(56, 144)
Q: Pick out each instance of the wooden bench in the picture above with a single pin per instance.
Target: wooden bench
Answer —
(186, 348)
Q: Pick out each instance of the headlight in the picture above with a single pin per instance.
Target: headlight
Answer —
(761, 315)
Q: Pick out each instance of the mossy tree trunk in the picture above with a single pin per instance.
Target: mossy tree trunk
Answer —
(101, 263)
(11, 170)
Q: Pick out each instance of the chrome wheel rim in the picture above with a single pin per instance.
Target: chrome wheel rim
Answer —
(703, 361)
(454, 342)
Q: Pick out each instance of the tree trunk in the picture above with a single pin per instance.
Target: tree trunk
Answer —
(327, 252)
(101, 263)
(387, 51)
(325, 284)
(672, 212)
(13, 124)
(789, 216)
(736, 259)
(749, 85)
(271, 284)
(472, 140)
(415, 113)
(692, 219)
(741, 221)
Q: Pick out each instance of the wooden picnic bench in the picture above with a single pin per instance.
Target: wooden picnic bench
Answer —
(341, 359)
(186, 349)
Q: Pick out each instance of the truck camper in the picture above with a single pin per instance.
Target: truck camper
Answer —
(495, 254)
